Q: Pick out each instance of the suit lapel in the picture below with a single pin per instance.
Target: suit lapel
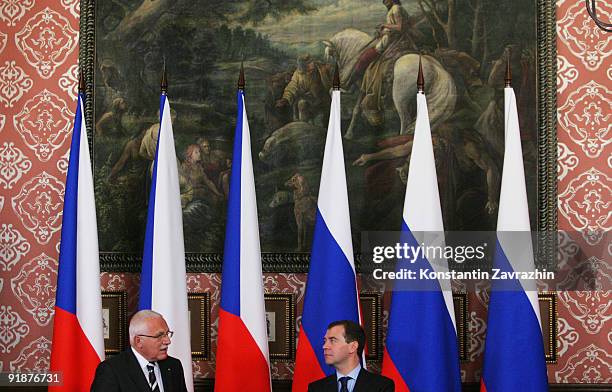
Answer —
(136, 374)
(166, 373)
(332, 383)
(361, 385)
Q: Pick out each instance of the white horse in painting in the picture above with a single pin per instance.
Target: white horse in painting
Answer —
(346, 46)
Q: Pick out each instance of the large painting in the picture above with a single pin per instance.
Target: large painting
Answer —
(289, 50)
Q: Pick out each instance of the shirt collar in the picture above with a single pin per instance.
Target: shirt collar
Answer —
(142, 361)
(352, 374)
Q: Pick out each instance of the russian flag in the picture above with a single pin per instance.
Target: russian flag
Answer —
(514, 357)
(163, 285)
(242, 344)
(78, 340)
(421, 352)
(331, 290)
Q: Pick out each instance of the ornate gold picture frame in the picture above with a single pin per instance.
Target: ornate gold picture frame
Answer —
(114, 316)
(198, 305)
(280, 319)
(549, 316)
(119, 82)
(460, 301)
(371, 311)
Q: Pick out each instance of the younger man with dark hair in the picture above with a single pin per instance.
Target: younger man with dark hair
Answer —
(343, 347)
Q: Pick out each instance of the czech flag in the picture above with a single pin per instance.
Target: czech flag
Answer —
(163, 285)
(421, 352)
(514, 357)
(78, 339)
(331, 290)
(242, 344)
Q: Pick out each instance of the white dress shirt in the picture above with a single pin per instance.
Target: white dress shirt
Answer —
(143, 362)
(353, 374)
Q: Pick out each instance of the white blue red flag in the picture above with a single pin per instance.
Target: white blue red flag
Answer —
(331, 290)
(242, 344)
(163, 286)
(78, 340)
(421, 353)
(514, 350)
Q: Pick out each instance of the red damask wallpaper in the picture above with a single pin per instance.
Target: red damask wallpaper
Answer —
(38, 78)
(38, 66)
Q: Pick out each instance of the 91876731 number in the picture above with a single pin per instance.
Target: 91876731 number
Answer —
(31, 379)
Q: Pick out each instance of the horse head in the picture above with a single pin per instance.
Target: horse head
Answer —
(345, 47)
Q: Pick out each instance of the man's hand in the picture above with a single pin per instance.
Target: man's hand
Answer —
(281, 103)
(362, 160)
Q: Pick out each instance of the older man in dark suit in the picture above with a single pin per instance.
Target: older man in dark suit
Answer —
(145, 366)
(343, 347)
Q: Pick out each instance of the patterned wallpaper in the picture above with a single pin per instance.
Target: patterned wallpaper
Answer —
(38, 65)
(38, 78)
(584, 101)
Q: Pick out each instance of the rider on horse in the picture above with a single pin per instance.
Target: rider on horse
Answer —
(395, 36)
(394, 39)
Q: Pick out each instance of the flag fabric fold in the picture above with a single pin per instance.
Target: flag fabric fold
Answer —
(421, 352)
(163, 285)
(331, 290)
(242, 362)
(514, 357)
(78, 340)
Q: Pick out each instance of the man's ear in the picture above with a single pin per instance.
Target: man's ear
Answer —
(354, 346)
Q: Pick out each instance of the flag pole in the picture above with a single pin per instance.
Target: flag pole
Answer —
(508, 77)
(241, 82)
(331, 290)
(421, 322)
(242, 341)
(420, 79)
(163, 85)
(163, 277)
(336, 81)
(81, 83)
(78, 339)
(513, 304)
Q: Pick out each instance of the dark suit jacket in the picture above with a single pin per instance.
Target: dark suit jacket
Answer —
(366, 382)
(122, 373)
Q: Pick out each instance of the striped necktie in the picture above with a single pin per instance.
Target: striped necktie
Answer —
(152, 378)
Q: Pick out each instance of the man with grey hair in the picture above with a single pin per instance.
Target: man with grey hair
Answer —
(146, 365)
